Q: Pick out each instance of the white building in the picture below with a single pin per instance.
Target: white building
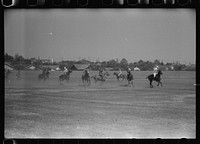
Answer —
(8, 66)
(30, 67)
(58, 69)
(136, 69)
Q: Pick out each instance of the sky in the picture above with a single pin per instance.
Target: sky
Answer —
(168, 35)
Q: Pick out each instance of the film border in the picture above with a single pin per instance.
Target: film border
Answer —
(99, 4)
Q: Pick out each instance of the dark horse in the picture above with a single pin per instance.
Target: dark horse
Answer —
(99, 78)
(130, 78)
(122, 76)
(64, 76)
(86, 78)
(44, 75)
(156, 78)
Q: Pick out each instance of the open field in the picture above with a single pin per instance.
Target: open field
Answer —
(46, 109)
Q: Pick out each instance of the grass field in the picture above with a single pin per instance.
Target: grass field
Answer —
(47, 109)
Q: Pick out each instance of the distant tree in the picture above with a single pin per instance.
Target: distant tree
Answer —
(18, 58)
(27, 61)
(123, 64)
(67, 64)
(156, 62)
(104, 64)
(179, 67)
(18, 62)
(38, 63)
(147, 66)
(62, 65)
(8, 58)
(190, 68)
(140, 61)
(83, 61)
(112, 63)
(55, 63)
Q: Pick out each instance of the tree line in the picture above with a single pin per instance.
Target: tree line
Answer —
(20, 62)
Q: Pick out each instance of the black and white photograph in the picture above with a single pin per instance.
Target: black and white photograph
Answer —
(100, 73)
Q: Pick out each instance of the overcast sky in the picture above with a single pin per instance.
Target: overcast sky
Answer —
(134, 34)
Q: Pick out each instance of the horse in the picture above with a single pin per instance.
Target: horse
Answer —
(44, 75)
(86, 78)
(130, 78)
(156, 78)
(99, 78)
(64, 76)
(122, 76)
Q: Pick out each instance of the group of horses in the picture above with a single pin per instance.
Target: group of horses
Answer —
(86, 79)
(44, 75)
(128, 77)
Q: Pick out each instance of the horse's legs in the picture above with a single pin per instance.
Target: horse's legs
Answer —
(151, 84)
(132, 83)
(160, 83)
(67, 79)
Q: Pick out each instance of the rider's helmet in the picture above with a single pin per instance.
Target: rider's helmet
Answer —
(156, 68)
(128, 69)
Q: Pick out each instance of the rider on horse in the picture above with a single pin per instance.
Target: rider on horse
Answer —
(65, 71)
(101, 73)
(86, 72)
(120, 72)
(128, 70)
(44, 71)
(155, 71)
(156, 76)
